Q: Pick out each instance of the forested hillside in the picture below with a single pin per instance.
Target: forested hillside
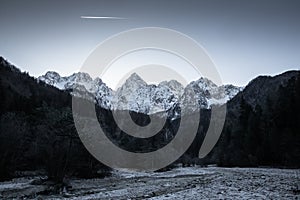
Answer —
(37, 129)
(263, 124)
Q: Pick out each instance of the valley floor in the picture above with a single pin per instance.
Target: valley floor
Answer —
(179, 183)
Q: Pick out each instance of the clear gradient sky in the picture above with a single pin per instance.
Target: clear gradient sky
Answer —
(244, 38)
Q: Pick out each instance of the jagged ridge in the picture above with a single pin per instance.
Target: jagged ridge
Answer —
(136, 95)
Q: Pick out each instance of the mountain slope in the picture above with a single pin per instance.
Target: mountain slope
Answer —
(262, 124)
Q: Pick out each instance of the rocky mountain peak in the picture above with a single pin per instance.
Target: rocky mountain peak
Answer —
(134, 80)
(51, 75)
(203, 84)
(81, 77)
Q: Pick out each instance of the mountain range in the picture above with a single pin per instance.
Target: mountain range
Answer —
(136, 95)
(37, 130)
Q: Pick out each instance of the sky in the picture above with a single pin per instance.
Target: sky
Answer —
(243, 38)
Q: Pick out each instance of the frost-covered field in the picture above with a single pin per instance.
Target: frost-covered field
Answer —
(180, 183)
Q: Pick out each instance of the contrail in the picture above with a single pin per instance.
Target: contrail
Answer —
(100, 17)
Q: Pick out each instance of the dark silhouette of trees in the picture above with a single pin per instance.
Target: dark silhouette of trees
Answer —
(263, 134)
(37, 130)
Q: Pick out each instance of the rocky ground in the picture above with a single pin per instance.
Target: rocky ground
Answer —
(179, 183)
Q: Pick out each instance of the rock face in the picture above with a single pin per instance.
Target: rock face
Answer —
(136, 95)
(206, 93)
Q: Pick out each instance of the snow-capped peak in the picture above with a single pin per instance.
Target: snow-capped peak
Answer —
(135, 78)
(133, 82)
(204, 84)
(206, 93)
(135, 94)
(176, 87)
(81, 83)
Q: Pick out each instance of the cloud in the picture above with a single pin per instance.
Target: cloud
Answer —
(100, 17)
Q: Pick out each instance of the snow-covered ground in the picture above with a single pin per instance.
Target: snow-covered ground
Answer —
(179, 183)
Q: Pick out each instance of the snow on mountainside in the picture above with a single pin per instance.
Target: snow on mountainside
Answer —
(207, 94)
(81, 83)
(136, 95)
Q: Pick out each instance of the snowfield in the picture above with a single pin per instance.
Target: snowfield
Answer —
(179, 183)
